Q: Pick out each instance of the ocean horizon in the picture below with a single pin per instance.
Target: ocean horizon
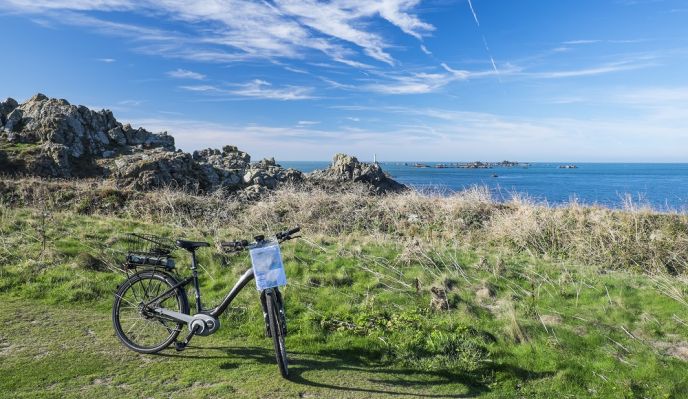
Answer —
(661, 186)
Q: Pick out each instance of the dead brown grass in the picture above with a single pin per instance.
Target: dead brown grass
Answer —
(634, 237)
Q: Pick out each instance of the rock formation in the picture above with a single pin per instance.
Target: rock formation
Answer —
(63, 140)
(52, 138)
(345, 168)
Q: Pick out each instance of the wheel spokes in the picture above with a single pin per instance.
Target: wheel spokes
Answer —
(143, 328)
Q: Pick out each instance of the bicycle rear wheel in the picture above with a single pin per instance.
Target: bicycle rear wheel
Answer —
(277, 323)
(138, 327)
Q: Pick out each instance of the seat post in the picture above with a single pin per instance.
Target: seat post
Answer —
(194, 273)
(193, 258)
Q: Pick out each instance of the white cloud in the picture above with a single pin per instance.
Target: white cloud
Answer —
(261, 89)
(448, 135)
(291, 142)
(395, 11)
(581, 41)
(246, 29)
(339, 19)
(185, 74)
(44, 23)
(307, 123)
(256, 88)
(201, 88)
(81, 5)
(408, 85)
(591, 71)
(131, 103)
(296, 70)
(595, 41)
(106, 60)
(662, 104)
(421, 83)
(654, 96)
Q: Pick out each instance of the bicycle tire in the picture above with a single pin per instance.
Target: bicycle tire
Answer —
(138, 285)
(275, 316)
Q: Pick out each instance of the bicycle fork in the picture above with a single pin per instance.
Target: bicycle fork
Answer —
(280, 306)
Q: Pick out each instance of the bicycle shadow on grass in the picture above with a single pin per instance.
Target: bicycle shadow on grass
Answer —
(401, 381)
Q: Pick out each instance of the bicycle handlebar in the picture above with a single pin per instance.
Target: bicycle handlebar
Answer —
(285, 235)
(239, 245)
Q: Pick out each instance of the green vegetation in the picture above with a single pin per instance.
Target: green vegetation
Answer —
(402, 295)
(17, 148)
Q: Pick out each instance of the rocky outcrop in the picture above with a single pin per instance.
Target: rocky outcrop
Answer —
(229, 158)
(205, 171)
(348, 169)
(269, 174)
(51, 138)
(223, 168)
(69, 139)
(6, 107)
(159, 168)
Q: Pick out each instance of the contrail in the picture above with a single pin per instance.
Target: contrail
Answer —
(487, 48)
(475, 16)
(494, 65)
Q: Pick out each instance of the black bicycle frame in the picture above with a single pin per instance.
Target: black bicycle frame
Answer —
(219, 309)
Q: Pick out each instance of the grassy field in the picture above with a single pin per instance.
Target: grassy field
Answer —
(405, 309)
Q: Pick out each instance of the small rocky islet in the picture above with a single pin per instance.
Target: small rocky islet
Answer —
(49, 137)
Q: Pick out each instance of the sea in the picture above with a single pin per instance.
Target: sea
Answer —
(661, 186)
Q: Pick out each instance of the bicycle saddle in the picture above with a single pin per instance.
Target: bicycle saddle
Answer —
(191, 245)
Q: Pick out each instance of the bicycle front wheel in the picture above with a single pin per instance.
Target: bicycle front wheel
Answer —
(277, 324)
(137, 326)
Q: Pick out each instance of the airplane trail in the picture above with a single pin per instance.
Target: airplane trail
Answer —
(487, 48)
(475, 16)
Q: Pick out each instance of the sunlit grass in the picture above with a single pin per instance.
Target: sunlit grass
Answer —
(506, 322)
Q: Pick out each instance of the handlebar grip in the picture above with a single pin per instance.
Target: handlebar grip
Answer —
(293, 231)
(285, 235)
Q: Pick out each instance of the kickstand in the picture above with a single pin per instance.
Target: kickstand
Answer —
(180, 346)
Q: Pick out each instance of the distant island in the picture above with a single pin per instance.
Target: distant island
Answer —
(471, 165)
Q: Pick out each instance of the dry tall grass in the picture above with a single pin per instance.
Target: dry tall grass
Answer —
(633, 237)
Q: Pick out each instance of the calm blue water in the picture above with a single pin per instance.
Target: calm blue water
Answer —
(663, 186)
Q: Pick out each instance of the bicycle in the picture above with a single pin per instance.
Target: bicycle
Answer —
(164, 314)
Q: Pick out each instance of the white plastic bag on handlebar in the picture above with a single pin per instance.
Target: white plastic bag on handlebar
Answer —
(267, 266)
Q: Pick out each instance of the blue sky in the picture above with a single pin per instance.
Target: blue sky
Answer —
(568, 80)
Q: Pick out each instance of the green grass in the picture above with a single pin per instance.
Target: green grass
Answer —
(17, 147)
(360, 321)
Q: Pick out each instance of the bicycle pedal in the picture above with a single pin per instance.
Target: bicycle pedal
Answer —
(179, 346)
